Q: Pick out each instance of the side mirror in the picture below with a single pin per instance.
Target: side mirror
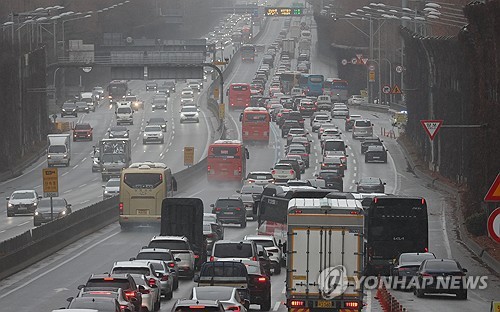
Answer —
(261, 253)
(384, 183)
(464, 270)
(196, 278)
(178, 260)
(141, 288)
(212, 205)
(7, 198)
(241, 116)
(131, 259)
(238, 191)
(69, 205)
(80, 287)
(104, 186)
(70, 299)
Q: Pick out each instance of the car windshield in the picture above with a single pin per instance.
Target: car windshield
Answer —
(23, 195)
(189, 109)
(328, 175)
(322, 118)
(252, 189)
(405, 258)
(124, 110)
(282, 167)
(112, 158)
(224, 203)
(57, 149)
(156, 121)
(233, 250)
(118, 129)
(131, 270)
(152, 129)
(372, 181)
(69, 105)
(108, 282)
(441, 265)
(169, 244)
(82, 127)
(165, 256)
(220, 293)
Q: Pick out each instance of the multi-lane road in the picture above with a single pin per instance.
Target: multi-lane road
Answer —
(47, 284)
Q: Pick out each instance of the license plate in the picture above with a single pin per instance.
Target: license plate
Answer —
(228, 212)
(324, 304)
(376, 157)
(142, 211)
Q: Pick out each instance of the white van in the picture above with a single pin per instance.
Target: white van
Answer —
(124, 113)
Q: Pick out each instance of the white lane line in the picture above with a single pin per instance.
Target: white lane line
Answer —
(284, 290)
(194, 194)
(83, 184)
(62, 175)
(445, 233)
(37, 186)
(354, 174)
(369, 301)
(84, 202)
(21, 224)
(68, 191)
(56, 266)
(76, 166)
(277, 306)
(170, 143)
(84, 159)
(2, 231)
(353, 161)
(315, 168)
(134, 144)
(353, 181)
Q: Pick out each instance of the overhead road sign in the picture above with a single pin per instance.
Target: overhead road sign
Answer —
(431, 127)
(494, 225)
(284, 11)
(50, 182)
(493, 194)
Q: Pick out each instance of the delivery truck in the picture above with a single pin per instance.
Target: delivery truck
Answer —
(59, 150)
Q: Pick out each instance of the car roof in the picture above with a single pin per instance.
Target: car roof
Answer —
(24, 191)
(134, 263)
(179, 238)
(190, 302)
(158, 250)
(259, 237)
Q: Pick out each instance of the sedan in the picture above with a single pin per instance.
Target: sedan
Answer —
(82, 107)
(118, 132)
(441, 276)
(189, 113)
(407, 264)
(158, 121)
(22, 201)
(376, 153)
(259, 178)
(370, 185)
(153, 133)
(111, 189)
(47, 211)
(228, 296)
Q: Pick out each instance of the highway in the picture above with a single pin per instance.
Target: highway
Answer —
(46, 285)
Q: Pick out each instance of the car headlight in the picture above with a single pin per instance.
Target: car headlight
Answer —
(161, 135)
(36, 213)
(35, 204)
(106, 192)
(145, 136)
(9, 205)
(63, 212)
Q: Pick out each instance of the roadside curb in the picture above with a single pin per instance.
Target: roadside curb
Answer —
(464, 237)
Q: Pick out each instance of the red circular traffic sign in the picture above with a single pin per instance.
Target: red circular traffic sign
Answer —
(494, 225)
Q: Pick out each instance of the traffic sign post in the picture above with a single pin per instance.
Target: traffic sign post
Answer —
(396, 89)
(399, 69)
(371, 76)
(222, 111)
(386, 89)
(50, 186)
(494, 225)
(188, 156)
(493, 194)
(431, 127)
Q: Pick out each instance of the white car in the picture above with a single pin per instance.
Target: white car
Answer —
(190, 113)
(187, 96)
(259, 178)
(355, 100)
(273, 249)
(296, 92)
(22, 201)
(112, 188)
(320, 120)
(228, 296)
(340, 111)
(153, 133)
(283, 172)
(195, 86)
(330, 133)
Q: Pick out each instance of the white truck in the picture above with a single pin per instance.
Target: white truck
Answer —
(288, 47)
(324, 254)
(59, 150)
(294, 31)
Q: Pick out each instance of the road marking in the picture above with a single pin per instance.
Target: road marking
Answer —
(315, 168)
(284, 290)
(276, 306)
(68, 191)
(369, 301)
(36, 277)
(354, 174)
(84, 159)
(76, 166)
(445, 233)
(2, 231)
(353, 181)
(21, 224)
(353, 161)
(62, 175)
(350, 187)
(83, 184)
(84, 202)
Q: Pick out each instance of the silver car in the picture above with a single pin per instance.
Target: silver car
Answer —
(112, 188)
(165, 278)
(22, 201)
(153, 133)
(228, 296)
(272, 247)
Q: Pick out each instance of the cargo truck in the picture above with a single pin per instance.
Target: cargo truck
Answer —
(114, 155)
(288, 47)
(324, 255)
(184, 217)
(59, 150)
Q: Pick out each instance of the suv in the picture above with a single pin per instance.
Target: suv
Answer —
(188, 305)
(153, 133)
(181, 249)
(69, 108)
(366, 142)
(376, 153)
(273, 249)
(295, 165)
(362, 128)
(22, 201)
(225, 249)
(124, 114)
(159, 103)
(123, 281)
(333, 178)
(151, 85)
(296, 116)
(82, 131)
(164, 255)
(282, 172)
(349, 121)
(230, 210)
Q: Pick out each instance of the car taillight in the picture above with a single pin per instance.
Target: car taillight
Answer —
(120, 208)
(254, 258)
(238, 209)
(426, 274)
(196, 256)
(164, 278)
(123, 307)
(233, 308)
(239, 169)
(212, 259)
(273, 172)
(209, 168)
(292, 171)
(426, 249)
(151, 282)
(351, 304)
(250, 181)
(262, 279)
(403, 269)
(297, 303)
(171, 264)
(130, 294)
(218, 209)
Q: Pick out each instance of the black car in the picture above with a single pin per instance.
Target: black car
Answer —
(170, 85)
(296, 116)
(82, 107)
(159, 103)
(333, 163)
(333, 178)
(370, 185)
(407, 264)
(259, 283)
(188, 305)
(69, 109)
(369, 142)
(432, 270)
(158, 121)
(49, 209)
(230, 210)
(376, 153)
(118, 132)
(287, 125)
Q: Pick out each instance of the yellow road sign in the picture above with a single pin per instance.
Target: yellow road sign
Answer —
(495, 306)
(188, 156)
(222, 110)
(216, 93)
(50, 182)
(371, 76)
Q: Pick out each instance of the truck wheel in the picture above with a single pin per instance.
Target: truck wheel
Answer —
(267, 305)
(243, 224)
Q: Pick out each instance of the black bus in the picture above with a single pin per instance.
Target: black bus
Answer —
(394, 225)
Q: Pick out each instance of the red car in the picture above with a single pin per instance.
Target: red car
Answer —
(82, 131)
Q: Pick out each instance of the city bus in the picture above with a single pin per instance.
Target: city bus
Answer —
(288, 80)
(226, 161)
(239, 95)
(394, 225)
(143, 186)
(337, 89)
(312, 84)
(117, 90)
(247, 52)
(255, 124)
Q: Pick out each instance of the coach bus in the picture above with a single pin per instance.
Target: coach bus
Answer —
(247, 52)
(255, 124)
(394, 225)
(337, 89)
(288, 80)
(239, 95)
(143, 186)
(226, 161)
(117, 90)
(312, 84)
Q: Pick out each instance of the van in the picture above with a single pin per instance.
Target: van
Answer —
(362, 128)
(124, 113)
(333, 145)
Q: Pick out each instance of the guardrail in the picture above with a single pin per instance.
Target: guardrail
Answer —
(19, 252)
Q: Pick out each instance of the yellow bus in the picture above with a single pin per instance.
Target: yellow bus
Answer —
(143, 186)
